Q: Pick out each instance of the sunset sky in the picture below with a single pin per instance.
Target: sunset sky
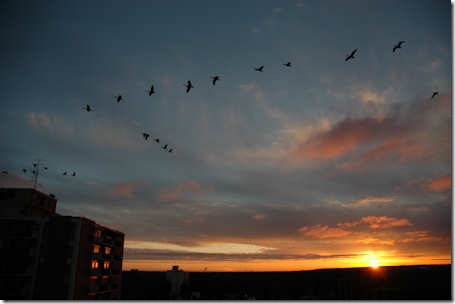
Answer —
(323, 164)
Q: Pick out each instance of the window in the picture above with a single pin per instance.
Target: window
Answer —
(107, 250)
(98, 233)
(96, 248)
(106, 264)
(95, 264)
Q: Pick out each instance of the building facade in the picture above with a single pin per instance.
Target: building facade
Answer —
(48, 256)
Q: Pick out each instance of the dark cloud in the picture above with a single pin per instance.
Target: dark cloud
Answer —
(153, 254)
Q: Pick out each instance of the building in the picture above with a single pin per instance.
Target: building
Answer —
(47, 256)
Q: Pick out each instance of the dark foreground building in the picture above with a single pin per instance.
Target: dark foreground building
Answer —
(46, 256)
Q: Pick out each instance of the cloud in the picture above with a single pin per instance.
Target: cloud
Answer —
(418, 236)
(376, 241)
(259, 216)
(342, 138)
(435, 184)
(441, 183)
(431, 66)
(124, 189)
(324, 231)
(178, 191)
(343, 229)
(382, 222)
(277, 10)
(377, 222)
(256, 29)
(370, 96)
(409, 132)
(157, 254)
(53, 125)
(366, 202)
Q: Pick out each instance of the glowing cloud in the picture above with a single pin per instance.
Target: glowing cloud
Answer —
(323, 231)
(124, 189)
(180, 190)
(441, 183)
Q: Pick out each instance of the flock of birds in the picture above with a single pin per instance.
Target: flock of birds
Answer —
(166, 147)
(216, 78)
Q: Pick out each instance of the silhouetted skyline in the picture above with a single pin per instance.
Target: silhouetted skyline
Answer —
(215, 134)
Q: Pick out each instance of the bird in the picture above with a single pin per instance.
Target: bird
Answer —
(398, 46)
(215, 78)
(65, 173)
(119, 98)
(151, 90)
(288, 64)
(164, 147)
(45, 168)
(24, 170)
(189, 85)
(259, 69)
(157, 140)
(146, 136)
(351, 56)
(87, 108)
(74, 174)
(434, 94)
(170, 150)
(5, 172)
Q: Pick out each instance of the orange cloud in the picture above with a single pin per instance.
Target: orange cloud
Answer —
(394, 146)
(179, 190)
(441, 183)
(381, 222)
(368, 241)
(323, 231)
(259, 216)
(367, 201)
(124, 189)
(377, 222)
(418, 236)
(346, 136)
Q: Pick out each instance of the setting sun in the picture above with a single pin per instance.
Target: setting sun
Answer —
(373, 262)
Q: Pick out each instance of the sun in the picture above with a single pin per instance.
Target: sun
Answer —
(373, 262)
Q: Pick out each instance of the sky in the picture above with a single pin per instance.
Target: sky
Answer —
(324, 164)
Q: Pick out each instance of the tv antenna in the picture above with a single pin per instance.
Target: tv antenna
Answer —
(37, 166)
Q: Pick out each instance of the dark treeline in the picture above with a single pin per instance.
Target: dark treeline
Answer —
(385, 283)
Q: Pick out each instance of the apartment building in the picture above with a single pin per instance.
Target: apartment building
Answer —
(49, 256)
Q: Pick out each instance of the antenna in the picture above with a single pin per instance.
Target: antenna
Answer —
(37, 166)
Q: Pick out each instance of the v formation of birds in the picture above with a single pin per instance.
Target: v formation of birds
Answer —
(189, 86)
(146, 136)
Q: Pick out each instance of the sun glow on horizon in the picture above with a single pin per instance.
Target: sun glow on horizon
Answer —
(373, 262)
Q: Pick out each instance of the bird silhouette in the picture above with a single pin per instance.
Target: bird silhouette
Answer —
(215, 78)
(170, 150)
(5, 172)
(87, 108)
(398, 46)
(119, 98)
(146, 136)
(434, 94)
(24, 170)
(157, 140)
(259, 69)
(74, 174)
(65, 173)
(189, 85)
(151, 90)
(288, 64)
(164, 147)
(351, 56)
